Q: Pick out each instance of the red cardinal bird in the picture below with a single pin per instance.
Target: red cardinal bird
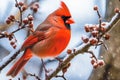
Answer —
(48, 40)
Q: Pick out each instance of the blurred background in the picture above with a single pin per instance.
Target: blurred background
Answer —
(83, 13)
(111, 71)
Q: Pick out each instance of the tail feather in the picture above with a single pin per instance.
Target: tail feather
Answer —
(20, 63)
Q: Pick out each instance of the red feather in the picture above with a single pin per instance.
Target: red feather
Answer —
(20, 63)
(29, 41)
(32, 39)
(63, 10)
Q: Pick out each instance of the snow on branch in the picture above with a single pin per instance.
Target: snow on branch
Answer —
(85, 48)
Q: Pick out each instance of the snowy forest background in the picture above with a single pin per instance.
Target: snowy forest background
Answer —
(83, 13)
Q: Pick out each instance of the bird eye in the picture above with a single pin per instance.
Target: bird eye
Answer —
(65, 17)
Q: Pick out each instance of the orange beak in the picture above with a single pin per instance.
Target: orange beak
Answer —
(70, 21)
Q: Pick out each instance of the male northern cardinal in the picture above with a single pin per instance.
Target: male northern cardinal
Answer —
(48, 40)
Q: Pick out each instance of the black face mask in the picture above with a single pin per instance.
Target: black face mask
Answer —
(64, 19)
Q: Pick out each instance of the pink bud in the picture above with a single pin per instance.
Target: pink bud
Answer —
(93, 61)
(95, 65)
(101, 62)
(85, 39)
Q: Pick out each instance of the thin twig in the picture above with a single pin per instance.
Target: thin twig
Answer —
(19, 29)
(61, 76)
(34, 76)
(3, 35)
(20, 10)
(44, 67)
(99, 31)
(93, 56)
(100, 20)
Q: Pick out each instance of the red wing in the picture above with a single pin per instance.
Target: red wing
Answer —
(32, 39)
(29, 41)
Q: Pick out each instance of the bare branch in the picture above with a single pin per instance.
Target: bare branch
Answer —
(67, 60)
(111, 25)
(20, 26)
(11, 59)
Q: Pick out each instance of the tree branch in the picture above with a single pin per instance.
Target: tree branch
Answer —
(20, 26)
(11, 59)
(84, 49)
